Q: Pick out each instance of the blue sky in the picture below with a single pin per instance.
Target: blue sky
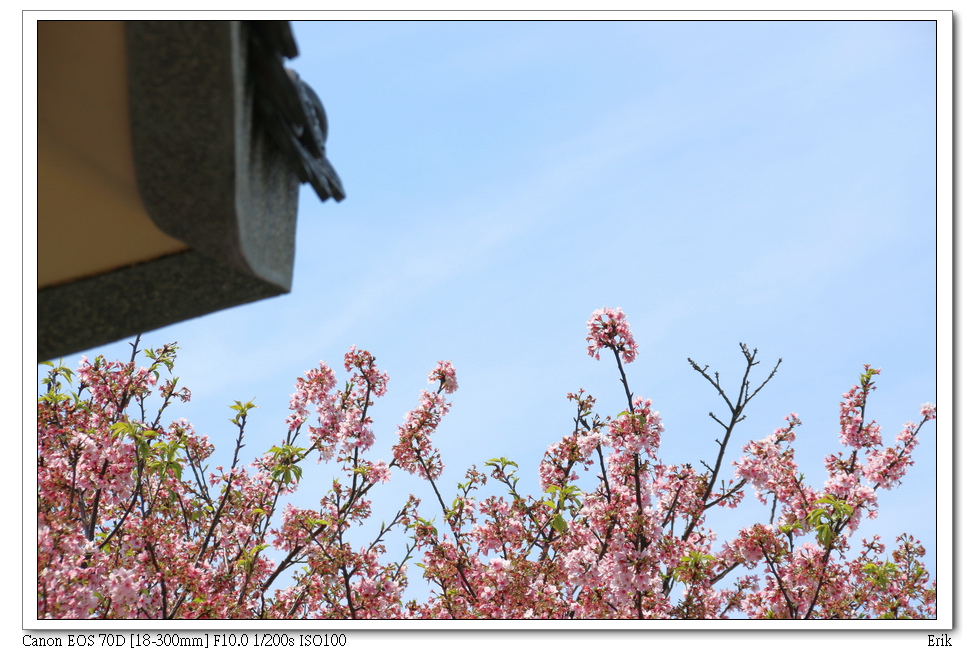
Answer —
(771, 183)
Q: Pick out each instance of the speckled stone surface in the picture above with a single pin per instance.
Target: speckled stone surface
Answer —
(208, 175)
(138, 299)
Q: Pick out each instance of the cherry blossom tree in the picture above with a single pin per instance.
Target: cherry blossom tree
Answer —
(133, 523)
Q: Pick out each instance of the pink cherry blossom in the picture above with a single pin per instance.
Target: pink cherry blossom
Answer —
(133, 523)
(609, 329)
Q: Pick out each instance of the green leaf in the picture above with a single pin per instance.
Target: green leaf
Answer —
(788, 528)
(558, 523)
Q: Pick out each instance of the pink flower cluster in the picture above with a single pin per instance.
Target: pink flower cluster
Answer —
(414, 451)
(609, 329)
(132, 524)
(444, 375)
(854, 432)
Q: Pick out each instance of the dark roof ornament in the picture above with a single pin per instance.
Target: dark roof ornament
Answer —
(207, 138)
(289, 108)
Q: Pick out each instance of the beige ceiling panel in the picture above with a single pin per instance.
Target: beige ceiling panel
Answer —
(90, 216)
